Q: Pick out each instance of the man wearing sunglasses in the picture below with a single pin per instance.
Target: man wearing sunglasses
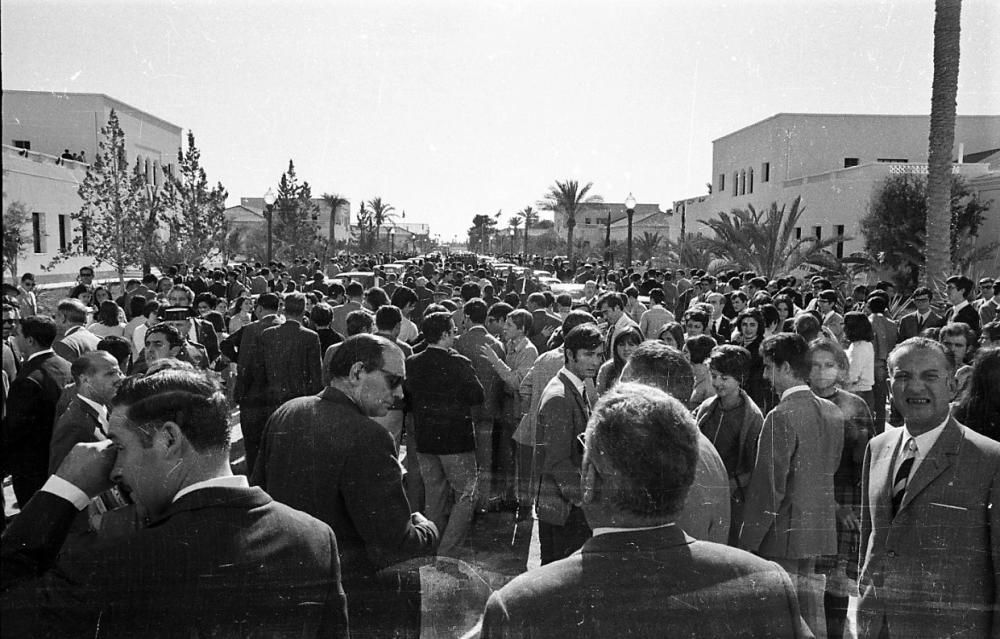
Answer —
(324, 455)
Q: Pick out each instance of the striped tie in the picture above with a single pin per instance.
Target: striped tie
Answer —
(903, 475)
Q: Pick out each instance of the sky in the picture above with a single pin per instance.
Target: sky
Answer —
(448, 109)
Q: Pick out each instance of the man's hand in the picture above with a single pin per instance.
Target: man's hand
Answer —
(88, 467)
(418, 518)
(490, 355)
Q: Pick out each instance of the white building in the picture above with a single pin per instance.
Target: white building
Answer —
(38, 129)
(834, 162)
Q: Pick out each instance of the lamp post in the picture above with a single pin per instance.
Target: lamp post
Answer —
(629, 212)
(512, 234)
(269, 216)
(608, 257)
(392, 240)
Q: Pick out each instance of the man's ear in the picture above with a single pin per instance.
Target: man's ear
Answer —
(171, 439)
(356, 369)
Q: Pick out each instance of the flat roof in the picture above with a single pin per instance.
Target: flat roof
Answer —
(98, 95)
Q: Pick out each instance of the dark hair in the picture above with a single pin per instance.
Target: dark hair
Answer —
(188, 398)
(755, 315)
(84, 364)
(577, 318)
(388, 317)
(336, 289)
(612, 300)
(363, 347)
(676, 331)
(436, 325)
(469, 290)
(808, 326)
(960, 329)
(475, 310)
(269, 301)
(538, 299)
(651, 441)
(631, 335)
(321, 314)
(40, 328)
(698, 347)
(73, 310)
(136, 304)
(787, 301)
(696, 315)
(731, 360)
(209, 298)
(657, 296)
(962, 283)
(153, 306)
(358, 322)
(564, 300)
(920, 291)
(790, 348)
(354, 289)
(376, 297)
(295, 303)
(521, 319)
(174, 336)
(499, 311)
(119, 347)
(582, 337)
(857, 327)
(656, 364)
(107, 314)
(981, 406)
(991, 331)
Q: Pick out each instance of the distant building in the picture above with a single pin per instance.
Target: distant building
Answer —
(834, 162)
(48, 140)
(337, 226)
(592, 219)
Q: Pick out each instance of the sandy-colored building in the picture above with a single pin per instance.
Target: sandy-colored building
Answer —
(592, 219)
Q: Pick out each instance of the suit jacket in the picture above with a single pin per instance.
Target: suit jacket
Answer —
(77, 341)
(706, 514)
(31, 405)
(340, 313)
(932, 570)
(222, 561)
(251, 384)
(835, 323)
(290, 361)
(79, 423)
(885, 334)
(720, 333)
(967, 314)
(648, 583)
(562, 416)
(541, 319)
(321, 455)
(441, 389)
(790, 511)
(468, 345)
(987, 311)
(909, 325)
(207, 337)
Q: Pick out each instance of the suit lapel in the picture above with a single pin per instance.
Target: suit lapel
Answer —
(937, 460)
(881, 474)
(580, 402)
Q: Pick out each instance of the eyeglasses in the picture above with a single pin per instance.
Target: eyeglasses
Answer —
(86, 275)
(921, 299)
(28, 284)
(9, 321)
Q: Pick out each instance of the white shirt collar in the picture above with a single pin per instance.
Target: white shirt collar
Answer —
(794, 389)
(230, 481)
(610, 529)
(960, 305)
(102, 410)
(576, 381)
(925, 442)
(41, 352)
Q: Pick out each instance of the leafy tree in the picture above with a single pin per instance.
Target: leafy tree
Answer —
(689, 252)
(763, 241)
(514, 223)
(944, 89)
(113, 230)
(483, 228)
(15, 241)
(295, 217)
(194, 211)
(647, 245)
(334, 201)
(568, 197)
(895, 228)
(381, 213)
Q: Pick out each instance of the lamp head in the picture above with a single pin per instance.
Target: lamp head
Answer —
(630, 202)
(269, 198)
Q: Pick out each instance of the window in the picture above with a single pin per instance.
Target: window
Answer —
(849, 162)
(736, 182)
(750, 178)
(840, 244)
(893, 160)
(722, 183)
(22, 144)
(818, 232)
(63, 232)
(586, 220)
(743, 182)
(38, 232)
(765, 172)
(798, 232)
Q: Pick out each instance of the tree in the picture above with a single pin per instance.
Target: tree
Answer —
(648, 245)
(295, 217)
(15, 241)
(514, 223)
(335, 201)
(112, 229)
(381, 213)
(944, 89)
(364, 220)
(689, 252)
(483, 227)
(567, 197)
(530, 218)
(763, 241)
(195, 212)
(895, 231)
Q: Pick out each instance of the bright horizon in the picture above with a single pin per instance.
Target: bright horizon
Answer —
(448, 110)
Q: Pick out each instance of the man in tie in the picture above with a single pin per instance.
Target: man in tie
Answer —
(930, 517)
(562, 416)
(924, 317)
(97, 378)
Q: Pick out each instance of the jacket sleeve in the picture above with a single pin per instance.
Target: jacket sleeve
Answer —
(471, 389)
(314, 357)
(22, 398)
(231, 344)
(555, 426)
(211, 340)
(769, 479)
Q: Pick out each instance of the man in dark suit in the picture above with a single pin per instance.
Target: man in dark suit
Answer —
(543, 323)
(790, 513)
(640, 575)
(86, 417)
(31, 405)
(324, 455)
(441, 390)
(216, 558)
(355, 296)
(74, 338)
(959, 289)
(719, 325)
(290, 356)
(924, 317)
(930, 525)
(885, 335)
(562, 415)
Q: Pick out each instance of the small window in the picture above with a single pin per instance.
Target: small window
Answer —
(750, 181)
(736, 182)
(586, 220)
(893, 160)
(765, 172)
(798, 232)
(840, 244)
(22, 144)
(743, 182)
(818, 232)
(849, 162)
(63, 232)
(722, 183)
(38, 232)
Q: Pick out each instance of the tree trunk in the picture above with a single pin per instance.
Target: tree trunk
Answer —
(947, 31)
(570, 225)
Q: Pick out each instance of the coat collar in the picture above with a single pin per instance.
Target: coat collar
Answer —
(938, 459)
(215, 497)
(640, 540)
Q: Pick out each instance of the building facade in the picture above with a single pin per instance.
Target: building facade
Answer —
(592, 223)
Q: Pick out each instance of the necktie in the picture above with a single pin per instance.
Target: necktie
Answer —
(920, 323)
(903, 475)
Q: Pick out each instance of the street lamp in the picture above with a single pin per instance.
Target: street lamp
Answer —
(269, 215)
(629, 211)
(392, 240)
(510, 232)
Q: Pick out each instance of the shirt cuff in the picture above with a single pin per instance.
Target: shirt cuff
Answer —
(61, 488)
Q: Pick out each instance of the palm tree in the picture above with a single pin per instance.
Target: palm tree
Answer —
(364, 220)
(381, 213)
(947, 32)
(334, 201)
(689, 252)
(763, 241)
(648, 244)
(514, 223)
(568, 197)
(530, 218)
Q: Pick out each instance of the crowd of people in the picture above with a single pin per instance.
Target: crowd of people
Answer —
(722, 455)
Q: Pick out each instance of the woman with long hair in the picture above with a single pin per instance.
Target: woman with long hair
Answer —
(750, 324)
(108, 321)
(240, 313)
(624, 345)
(858, 333)
(980, 408)
(671, 334)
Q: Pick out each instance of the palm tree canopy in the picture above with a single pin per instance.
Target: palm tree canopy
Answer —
(381, 211)
(763, 241)
(567, 196)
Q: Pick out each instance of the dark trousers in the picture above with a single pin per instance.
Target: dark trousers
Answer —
(253, 418)
(559, 542)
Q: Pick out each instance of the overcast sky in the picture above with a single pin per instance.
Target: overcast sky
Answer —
(448, 109)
